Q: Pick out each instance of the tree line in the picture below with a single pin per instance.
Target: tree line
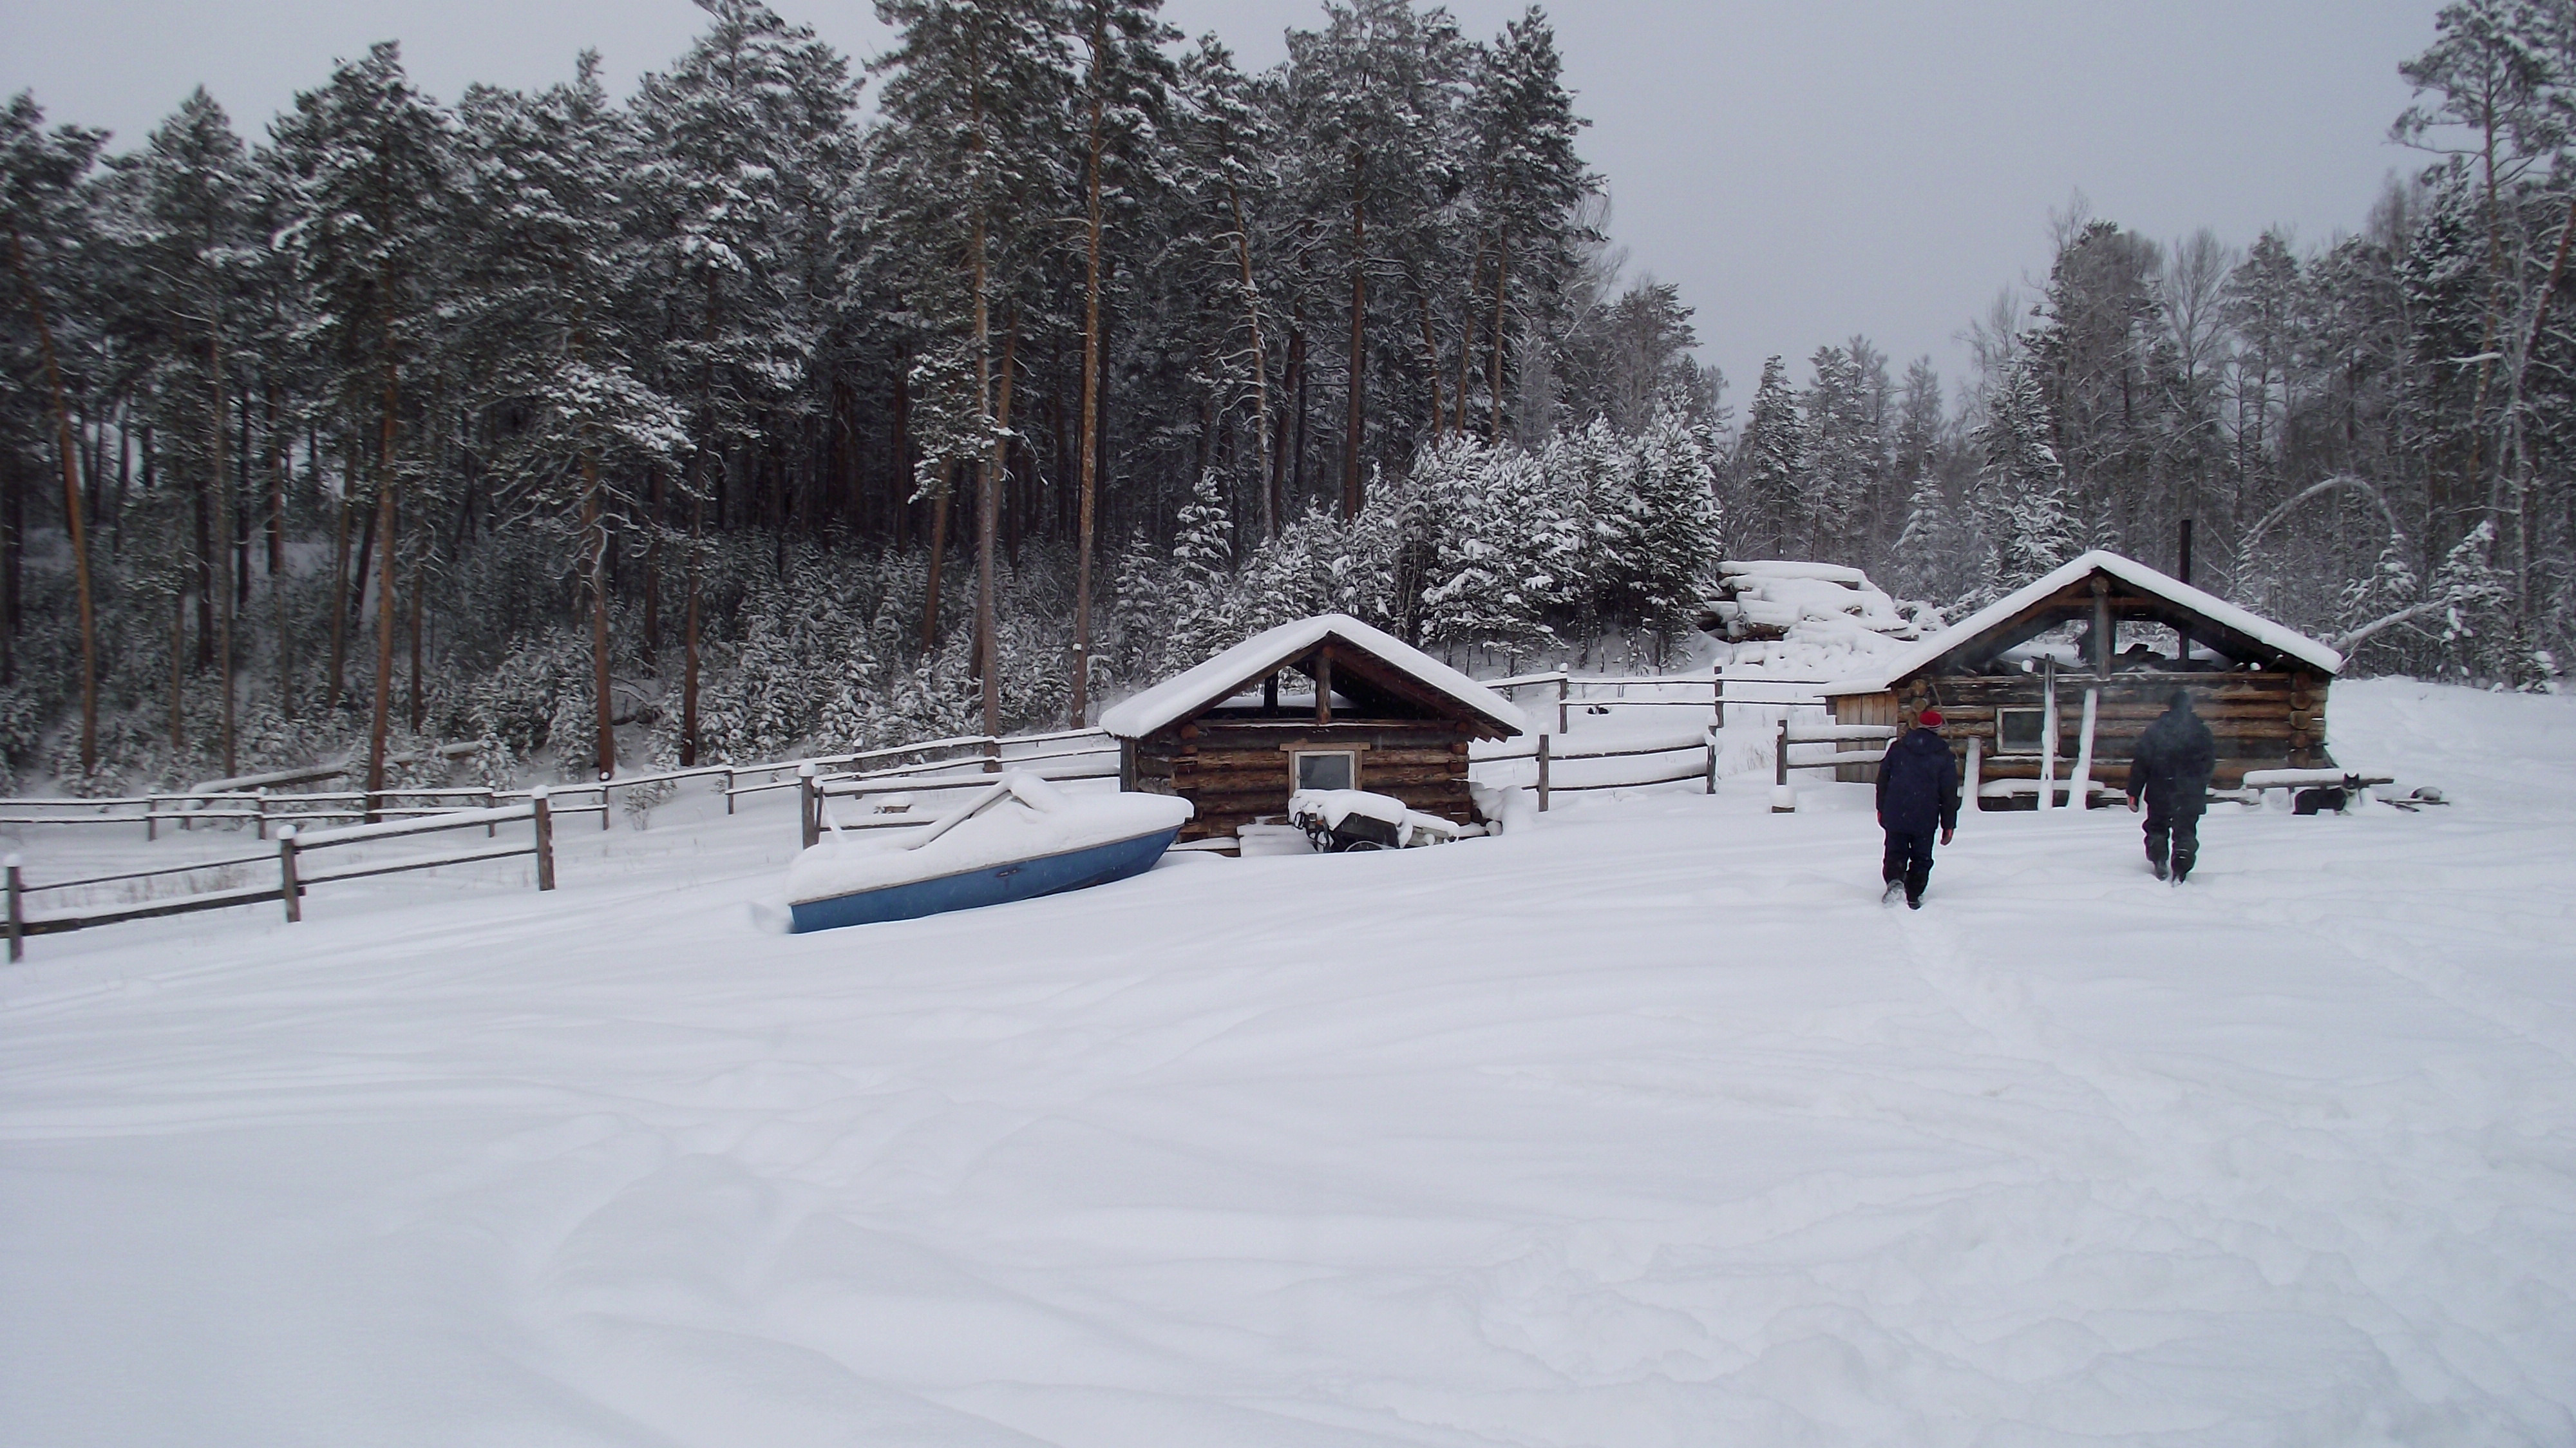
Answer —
(354, 421)
(735, 413)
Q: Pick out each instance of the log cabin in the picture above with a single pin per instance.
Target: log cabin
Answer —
(2019, 706)
(1322, 703)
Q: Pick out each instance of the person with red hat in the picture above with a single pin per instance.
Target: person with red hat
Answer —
(1918, 794)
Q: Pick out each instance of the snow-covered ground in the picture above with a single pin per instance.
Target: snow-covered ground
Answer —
(1644, 1125)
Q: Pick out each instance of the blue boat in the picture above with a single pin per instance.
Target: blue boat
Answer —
(1017, 840)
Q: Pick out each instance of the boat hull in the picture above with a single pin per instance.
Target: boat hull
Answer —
(999, 885)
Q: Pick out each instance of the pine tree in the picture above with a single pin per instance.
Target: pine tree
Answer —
(368, 157)
(1773, 465)
(2021, 489)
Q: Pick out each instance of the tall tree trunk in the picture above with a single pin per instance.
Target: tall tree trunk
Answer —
(689, 638)
(988, 502)
(1467, 336)
(178, 669)
(1260, 363)
(340, 583)
(224, 527)
(1297, 390)
(594, 540)
(1084, 527)
(276, 523)
(1357, 418)
(386, 502)
(202, 506)
(419, 713)
(938, 555)
(653, 579)
(1430, 359)
(79, 539)
(1502, 291)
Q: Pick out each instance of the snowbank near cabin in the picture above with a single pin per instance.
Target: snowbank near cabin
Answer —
(1644, 1124)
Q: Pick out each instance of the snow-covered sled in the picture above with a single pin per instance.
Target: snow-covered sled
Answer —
(1018, 839)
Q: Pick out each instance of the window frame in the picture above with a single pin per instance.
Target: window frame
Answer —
(2039, 736)
(1297, 757)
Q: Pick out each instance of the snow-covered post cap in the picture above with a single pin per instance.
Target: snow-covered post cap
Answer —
(539, 792)
(284, 834)
(11, 861)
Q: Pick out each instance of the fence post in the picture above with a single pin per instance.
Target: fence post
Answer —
(808, 806)
(290, 889)
(151, 817)
(603, 806)
(1542, 772)
(262, 822)
(1780, 754)
(1717, 678)
(728, 779)
(17, 924)
(1712, 761)
(542, 812)
(1563, 685)
(491, 800)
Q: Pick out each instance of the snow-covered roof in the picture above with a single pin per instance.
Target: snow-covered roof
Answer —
(1224, 676)
(2288, 642)
(1791, 568)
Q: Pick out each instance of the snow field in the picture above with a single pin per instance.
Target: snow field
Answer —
(1644, 1124)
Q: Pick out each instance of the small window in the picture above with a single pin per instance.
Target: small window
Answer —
(1337, 769)
(2020, 731)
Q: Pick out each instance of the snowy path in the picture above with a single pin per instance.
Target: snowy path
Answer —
(1645, 1126)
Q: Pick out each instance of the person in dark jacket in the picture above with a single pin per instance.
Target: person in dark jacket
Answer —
(1918, 793)
(2170, 767)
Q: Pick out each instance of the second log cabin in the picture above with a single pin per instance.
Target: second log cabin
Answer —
(2019, 705)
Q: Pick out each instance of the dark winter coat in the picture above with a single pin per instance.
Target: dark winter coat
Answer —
(2172, 762)
(1918, 785)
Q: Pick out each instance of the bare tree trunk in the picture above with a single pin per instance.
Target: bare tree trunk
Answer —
(1502, 289)
(419, 713)
(653, 578)
(385, 505)
(71, 503)
(594, 539)
(1260, 364)
(1430, 357)
(1083, 529)
(178, 669)
(938, 555)
(689, 637)
(340, 586)
(224, 528)
(1358, 410)
(1467, 336)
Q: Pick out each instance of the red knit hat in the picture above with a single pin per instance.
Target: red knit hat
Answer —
(1929, 719)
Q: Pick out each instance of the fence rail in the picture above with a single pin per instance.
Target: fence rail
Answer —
(292, 878)
(1723, 690)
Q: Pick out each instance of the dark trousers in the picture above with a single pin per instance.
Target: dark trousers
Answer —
(1909, 858)
(2173, 831)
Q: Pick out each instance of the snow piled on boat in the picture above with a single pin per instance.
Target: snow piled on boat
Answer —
(1025, 818)
(1642, 1125)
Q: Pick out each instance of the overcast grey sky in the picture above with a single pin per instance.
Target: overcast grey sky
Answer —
(1804, 170)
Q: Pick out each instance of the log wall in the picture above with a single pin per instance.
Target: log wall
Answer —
(1237, 772)
(2265, 720)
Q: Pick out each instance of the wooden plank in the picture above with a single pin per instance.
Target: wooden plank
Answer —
(59, 922)
(397, 867)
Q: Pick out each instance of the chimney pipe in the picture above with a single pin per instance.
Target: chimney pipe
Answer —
(2185, 572)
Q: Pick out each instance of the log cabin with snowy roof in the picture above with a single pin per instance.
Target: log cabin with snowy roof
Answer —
(2062, 676)
(1322, 703)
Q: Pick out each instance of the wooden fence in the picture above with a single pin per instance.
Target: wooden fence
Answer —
(294, 875)
(1550, 750)
(1722, 690)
